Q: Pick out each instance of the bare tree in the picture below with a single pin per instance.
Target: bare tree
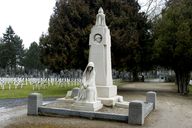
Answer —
(152, 7)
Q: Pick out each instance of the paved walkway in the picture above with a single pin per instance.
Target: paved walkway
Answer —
(149, 86)
(10, 103)
(10, 113)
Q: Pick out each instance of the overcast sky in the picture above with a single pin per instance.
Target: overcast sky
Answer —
(28, 18)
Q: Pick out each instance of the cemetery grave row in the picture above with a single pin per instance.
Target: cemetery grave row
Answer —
(37, 83)
(65, 78)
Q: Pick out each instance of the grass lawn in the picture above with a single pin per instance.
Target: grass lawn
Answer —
(51, 91)
(190, 89)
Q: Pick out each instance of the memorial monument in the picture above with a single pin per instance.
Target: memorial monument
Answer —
(100, 55)
(96, 88)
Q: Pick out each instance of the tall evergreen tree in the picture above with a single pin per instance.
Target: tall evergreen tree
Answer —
(32, 58)
(173, 41)
(3, 56)
(19, 50)
(66, 45)
(9, 51)
(12, 49)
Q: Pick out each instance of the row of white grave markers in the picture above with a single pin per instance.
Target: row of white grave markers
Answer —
(11, 83)
(37, 83)
(61, 82)
(69, 77)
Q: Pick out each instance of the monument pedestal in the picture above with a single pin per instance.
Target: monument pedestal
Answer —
(87, 106)
(110, 101)
(106, 91)
(100, 55)
(108, 95)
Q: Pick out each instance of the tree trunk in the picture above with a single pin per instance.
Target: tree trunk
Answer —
(135, 76)
(182, 81)
(177, 82)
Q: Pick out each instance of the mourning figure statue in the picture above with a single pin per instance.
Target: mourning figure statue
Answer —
(88, 92)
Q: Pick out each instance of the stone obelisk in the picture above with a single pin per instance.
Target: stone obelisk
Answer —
(100, 55)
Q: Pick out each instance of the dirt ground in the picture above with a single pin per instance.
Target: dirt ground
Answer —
(173, 111)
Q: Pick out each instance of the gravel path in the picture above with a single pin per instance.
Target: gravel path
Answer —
(173, 111)
(11, 113)
(10, 103)
(13, 108)
(158, 87)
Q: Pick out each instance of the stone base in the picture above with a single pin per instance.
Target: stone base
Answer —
(66, 100)
(110, 101)
(123, 104)
(151, 98)
(35, 100)
(87, 106)
(136, 112)
(106, 91)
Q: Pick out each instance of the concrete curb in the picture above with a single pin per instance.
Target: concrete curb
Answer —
(138, 110)
(44, 111)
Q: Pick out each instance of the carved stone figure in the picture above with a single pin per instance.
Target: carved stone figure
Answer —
(88, 92)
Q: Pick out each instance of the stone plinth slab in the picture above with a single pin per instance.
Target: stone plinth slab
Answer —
(34, 101)
(75, 92)
(68, 95)
(87, 106)
(136, 112)
(151, 98)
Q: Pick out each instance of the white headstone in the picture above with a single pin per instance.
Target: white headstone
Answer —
(100, 55)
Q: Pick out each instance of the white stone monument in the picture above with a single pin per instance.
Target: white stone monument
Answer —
(100, 55)
(87, 96)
